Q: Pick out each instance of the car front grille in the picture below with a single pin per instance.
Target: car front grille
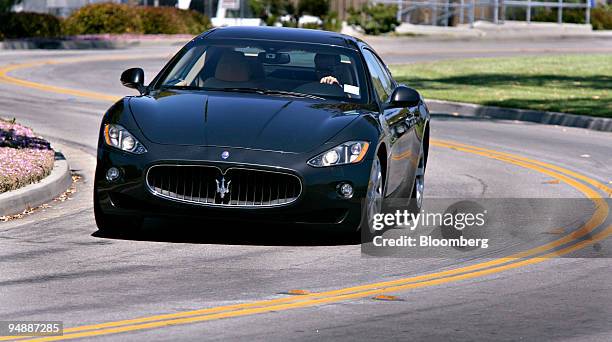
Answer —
(237, 187)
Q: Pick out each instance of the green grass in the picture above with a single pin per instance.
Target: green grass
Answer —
(570, 84)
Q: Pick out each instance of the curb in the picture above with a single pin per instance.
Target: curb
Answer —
(33, 195)
(528, 115)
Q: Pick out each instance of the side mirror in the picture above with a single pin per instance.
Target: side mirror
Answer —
(403, 96)
(134, 78)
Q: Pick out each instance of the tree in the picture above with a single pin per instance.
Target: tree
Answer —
(270, 10)
(317, 8)
(6, 5)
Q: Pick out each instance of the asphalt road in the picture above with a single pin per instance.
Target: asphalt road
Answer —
(54, 266)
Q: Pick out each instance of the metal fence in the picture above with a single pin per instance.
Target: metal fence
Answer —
(447, 12)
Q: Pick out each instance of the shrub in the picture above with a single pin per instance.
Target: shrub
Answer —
(26, 24)
(157, 20)
(103, 18)
(331, 22)
(170, 20)
(570, 15)
(374, 19)
(196, 22)
(601, 18)
(116, 18)
(269, 11)
(312, 26)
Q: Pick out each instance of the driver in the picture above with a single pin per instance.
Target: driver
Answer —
(326, 67)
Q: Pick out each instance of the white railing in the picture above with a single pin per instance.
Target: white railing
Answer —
(442, 10)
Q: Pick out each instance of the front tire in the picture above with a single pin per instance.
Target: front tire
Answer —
(373, 202)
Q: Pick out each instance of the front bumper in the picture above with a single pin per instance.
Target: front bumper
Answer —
(319, 202)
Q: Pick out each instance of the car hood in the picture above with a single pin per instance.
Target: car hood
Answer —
(239, 120)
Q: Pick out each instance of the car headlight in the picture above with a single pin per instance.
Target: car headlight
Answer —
(350, 152)
(119, 137)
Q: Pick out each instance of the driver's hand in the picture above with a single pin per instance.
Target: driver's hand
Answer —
(330, 80)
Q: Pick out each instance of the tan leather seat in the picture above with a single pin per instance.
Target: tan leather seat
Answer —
(233, 67)
(233, 70)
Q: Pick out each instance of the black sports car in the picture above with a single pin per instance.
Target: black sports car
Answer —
(264, 125)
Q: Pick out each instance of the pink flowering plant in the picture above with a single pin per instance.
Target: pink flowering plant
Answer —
(24, 157)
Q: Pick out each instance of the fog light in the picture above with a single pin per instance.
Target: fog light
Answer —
(112, 174)
(346, 190)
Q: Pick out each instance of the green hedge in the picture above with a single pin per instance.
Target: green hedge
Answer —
(117, 18)
(196, 21)
(26, 24)
(169, 20)
(103, 18)
(601, 16)
(374, 19)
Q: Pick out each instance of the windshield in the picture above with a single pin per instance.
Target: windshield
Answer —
(273, 68)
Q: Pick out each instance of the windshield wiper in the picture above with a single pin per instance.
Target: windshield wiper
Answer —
(293, 93)
(237, 89)
(180, 87)
(266, 92)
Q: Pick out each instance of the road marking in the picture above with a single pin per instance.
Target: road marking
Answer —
(298, 292)
(375, 289)
(596, 184)
(4, 70)
(388, 298)
(49, 88)
(468, 272)
(319, 301)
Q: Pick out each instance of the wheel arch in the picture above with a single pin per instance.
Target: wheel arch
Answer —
(426, 143)
(381, 153)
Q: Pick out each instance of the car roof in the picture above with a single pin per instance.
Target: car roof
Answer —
(286, 34)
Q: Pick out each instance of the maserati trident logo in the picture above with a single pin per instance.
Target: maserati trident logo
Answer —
(223, 189)
(225, 155)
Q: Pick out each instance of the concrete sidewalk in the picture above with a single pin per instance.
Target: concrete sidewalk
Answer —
(515, 30)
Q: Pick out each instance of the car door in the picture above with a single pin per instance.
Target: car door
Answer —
(398, 122)
(411, 139)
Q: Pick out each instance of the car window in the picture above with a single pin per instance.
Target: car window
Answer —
(386, 73)
(319, 70)
(380, 79)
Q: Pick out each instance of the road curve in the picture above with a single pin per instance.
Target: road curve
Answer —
(189, 281)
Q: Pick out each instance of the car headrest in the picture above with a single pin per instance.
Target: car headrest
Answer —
(233, 67)
(326, 61)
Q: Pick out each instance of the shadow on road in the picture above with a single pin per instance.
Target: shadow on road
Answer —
(198, 232)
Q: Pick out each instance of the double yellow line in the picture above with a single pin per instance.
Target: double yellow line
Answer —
(566, 244)
(5, 77)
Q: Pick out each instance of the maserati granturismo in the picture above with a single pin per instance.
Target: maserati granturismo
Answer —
(263, 125)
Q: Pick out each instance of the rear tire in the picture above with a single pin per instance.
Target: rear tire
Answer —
(418, 187)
